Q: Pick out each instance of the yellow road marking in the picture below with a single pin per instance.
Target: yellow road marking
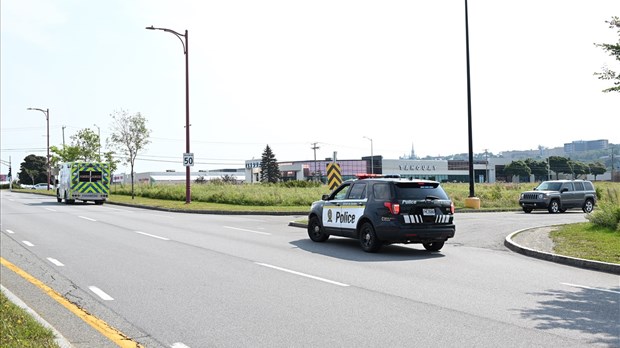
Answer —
(104, 328)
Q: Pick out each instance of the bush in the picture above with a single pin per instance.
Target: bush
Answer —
(608, 212)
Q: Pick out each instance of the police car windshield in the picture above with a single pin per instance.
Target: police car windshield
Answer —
(419, 191)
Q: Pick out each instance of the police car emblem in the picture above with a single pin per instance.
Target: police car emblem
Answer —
(329, 215)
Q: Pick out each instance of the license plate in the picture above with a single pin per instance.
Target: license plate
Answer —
(428, 212)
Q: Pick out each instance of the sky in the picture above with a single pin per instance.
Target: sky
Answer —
(290, 74)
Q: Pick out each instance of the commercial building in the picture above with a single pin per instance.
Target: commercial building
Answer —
(440, 170)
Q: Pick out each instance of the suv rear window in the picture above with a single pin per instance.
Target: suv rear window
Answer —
(419, 190)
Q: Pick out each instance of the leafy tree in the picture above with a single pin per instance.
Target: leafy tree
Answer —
(518, 168)
(129, 136)
(113, 163)
(597, 168)
(87, 142)
(614, 51)
(579, 168)
(538, 168)
(270, 171)
(559, 164)
(33, 169)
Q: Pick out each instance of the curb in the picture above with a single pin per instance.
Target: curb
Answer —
(566, 260)
(58, 338)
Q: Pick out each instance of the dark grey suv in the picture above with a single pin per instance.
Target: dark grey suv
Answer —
(556, 196)
(381, 211)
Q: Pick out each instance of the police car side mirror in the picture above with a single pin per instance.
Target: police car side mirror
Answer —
(325, 197)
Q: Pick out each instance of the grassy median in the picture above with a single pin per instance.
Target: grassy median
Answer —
(20, 330)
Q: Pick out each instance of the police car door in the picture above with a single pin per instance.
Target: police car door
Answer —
(352, 208)
(332, 208)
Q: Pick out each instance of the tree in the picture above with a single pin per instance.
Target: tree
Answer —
(559, 164)
(129, 136)
(518, 168)
(538, 168)
(579, 168)
(270, 171)
(614, 51)
(597, 168)
(33, 169)
(112, 163)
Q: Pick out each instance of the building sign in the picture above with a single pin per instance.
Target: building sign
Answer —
(418, 167)
(252, 164)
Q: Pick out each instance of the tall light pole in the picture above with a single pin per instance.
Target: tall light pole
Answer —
(469, 125)
(99, 136)
(188, 194)
(47, 119)
(372, 157)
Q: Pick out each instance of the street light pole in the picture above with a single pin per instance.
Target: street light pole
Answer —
(47, 120)
(372, 157)
(99, 136)
(188, 195)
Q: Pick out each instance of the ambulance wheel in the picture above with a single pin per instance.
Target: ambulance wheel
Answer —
(98, 202)
(58, 199)
(68, 201)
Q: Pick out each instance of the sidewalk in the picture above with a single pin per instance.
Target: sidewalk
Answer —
(535, 242)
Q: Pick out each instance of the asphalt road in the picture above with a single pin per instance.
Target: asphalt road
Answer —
(192, 280)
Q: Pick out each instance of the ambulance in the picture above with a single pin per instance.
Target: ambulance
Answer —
(84, 181)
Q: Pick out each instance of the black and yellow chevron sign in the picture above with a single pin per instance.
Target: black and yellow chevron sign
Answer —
(334, 177)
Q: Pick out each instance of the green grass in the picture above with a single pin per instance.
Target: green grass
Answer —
(587, 241)
(20, 330)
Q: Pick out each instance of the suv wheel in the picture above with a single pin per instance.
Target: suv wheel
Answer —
(554, 206)
(527, 210)
(588, 206)
(316, 231)
(434, 246)
(368, 239)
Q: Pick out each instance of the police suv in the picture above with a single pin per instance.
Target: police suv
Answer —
(385, 210)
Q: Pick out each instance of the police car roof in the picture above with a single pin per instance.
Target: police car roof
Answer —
(403, 180)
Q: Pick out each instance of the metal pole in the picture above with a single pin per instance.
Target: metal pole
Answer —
(47, 121)
(188, 194)
(99, 136)
(49, 169)
(469, 126)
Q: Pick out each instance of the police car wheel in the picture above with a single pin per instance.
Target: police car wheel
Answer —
(315, 230)
(434, 246)
(368, 239)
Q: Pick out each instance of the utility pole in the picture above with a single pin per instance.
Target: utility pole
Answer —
(63, 137)
(314, 147)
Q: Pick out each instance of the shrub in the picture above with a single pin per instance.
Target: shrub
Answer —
(608, 212)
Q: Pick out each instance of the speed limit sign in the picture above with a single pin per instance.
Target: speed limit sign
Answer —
(188, 159)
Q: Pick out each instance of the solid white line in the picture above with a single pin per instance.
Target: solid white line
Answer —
(86, 218)
(54, 261)
(302, 274)
(591, 288)
(100, 293)
(152, 235)
(50, 209)
(178, 345)
(27, 243)
(242, 229)
(9, 231)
